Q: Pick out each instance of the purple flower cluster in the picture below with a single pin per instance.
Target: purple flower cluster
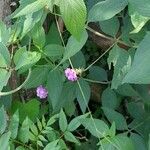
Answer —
(41, 92)
(71, 74)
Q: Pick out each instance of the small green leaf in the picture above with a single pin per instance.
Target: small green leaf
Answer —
(83, 98)
(4, 141)
(14, 124)
(71, 138)
(3, 120)
(34, 129)
(73, 46)
(31, 8)
(109, 99)
(96, 127)
(54, 86)
(116, 117)
(24, 131)
(75, 123)
(4, 33)
(5, 53)
(62, 121)
(25, 58)
(52, 145)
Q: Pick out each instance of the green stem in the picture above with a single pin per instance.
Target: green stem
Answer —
(94, 81)
(99, 58)
(18, 88)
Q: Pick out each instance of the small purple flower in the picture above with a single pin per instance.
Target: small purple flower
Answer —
(71, 74)
(41, 92)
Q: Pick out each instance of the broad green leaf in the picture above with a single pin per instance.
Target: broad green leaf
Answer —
(138, 21)
(5, 53)
(73, 46)
(71, 138)
(75, 123)
(116, 117)
(105, 26)
(97, 73)
(4, 33)
(68, 94)
(141, 61)
(14, 124)
(30, 21)
(109, 99)
(126, 90)
(31, 8)
(4, 141)
(38, 77)
(62, 121)
(138, 141)
(3, 120)
(53, 36)
(52, 145)
(4, 77)
(105, 10)
(38, 35)
(25, 58)
(122, 62)
(23, 134)
(83, 94)
(96, 127)
(54, 86)
(53, 50)
(142, 7)
(78, 60)
(119, 142)
(74, 16)
(29, 109)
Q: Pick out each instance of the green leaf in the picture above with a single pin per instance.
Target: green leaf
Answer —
(23, 134)
(4, 33)
(73, 46)
(14, 124)
(3, 120)
(116, 117)
(105, 26)
(97, 73)
(109, 99)
(142, 7)
(4, 141)
(30, 109)
(5, 53)
(52, 145)
(106, 9)
(38, 35)
(138, 141)
(53, 36)
(31, 8)
(141, 60)
(83, 96)
(122, 62)
(62, 121)
(71, 138)
(112, 131)
(25, 58)
(38, 77)
(96, 127)
(138, 21)
(54, 86)
(119, 142)
(30, 21)
(34, 129)
(53, 50)
(74, 16)
(78, 60)
(52, 119)
(75, 123)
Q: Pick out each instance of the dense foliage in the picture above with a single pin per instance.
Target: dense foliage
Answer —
(74, 74)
